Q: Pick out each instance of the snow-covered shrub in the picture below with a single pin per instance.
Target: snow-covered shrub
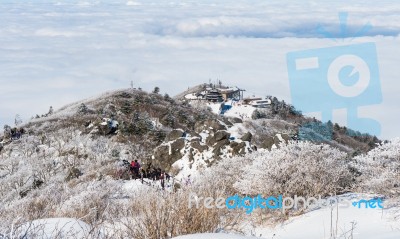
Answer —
(222, 176)
(88, 201)
(258, 114)
(380, 169)
(155, 214)
(296, 168)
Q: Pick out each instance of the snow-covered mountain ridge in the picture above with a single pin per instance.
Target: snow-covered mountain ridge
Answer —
(76, 154)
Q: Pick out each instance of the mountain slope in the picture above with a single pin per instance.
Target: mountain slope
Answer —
(70, 163)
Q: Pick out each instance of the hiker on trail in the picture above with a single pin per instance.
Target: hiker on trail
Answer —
(162, 178)
(167, 176)
(157, 173)
(142, 173)
(135, 166)
(15, 134)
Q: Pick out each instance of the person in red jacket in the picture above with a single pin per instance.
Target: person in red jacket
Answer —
(135, 166)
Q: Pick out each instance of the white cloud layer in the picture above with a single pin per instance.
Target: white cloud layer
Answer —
(55, 52)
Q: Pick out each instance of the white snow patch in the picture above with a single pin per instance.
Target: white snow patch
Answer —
(213, 236)
(132, 186)
(62, 228)
(280, 137)
(237, 130)
(369, 223)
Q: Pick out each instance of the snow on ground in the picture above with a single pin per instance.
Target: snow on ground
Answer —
(131, 186)
(191, 96)
(238, 110)
(369, 223)
(190, 165)
(237, 130)
(213, 236)
(62, 228)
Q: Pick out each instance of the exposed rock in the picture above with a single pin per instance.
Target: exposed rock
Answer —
(177, 186)
(218, 136)
(164, 157)
(285, 137)
(233, 144)
(174, 134)
(239, 149)
(219, 146)
(213, 125)
(247, 137)
(197, 145)
(177, 145)
(227, 122)
(73, 173)
(274, 140)
(267, 143)
(236, 120)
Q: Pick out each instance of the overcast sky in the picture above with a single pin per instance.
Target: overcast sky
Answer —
(57, 52)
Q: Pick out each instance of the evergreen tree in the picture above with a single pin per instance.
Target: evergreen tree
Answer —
(258, 114)
(126, 107)
(156, 90)
(83, 109)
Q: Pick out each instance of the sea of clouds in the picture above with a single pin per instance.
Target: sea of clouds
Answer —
(56, 52)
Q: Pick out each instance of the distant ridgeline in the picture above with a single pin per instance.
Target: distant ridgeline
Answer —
(146, 120)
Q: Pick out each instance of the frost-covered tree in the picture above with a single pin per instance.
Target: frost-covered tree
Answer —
(7, 132)
(297, 168)
(225, 174)
(380, 168)
(258, 114)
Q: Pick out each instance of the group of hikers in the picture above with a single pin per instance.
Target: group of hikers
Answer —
(137, 172)
(13, 133)
(17, 133)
